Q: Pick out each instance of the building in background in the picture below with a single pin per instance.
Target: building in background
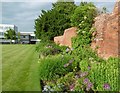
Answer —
(28, 38)
(25, 37)
(3, 29)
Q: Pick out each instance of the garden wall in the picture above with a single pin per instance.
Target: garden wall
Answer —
(66, 38)
(106, 40)
(106, 37)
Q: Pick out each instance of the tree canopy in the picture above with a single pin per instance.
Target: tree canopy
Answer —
(53, 22)
(10, 34)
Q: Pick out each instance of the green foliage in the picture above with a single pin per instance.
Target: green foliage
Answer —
(10, 34)
(53, 22)
(67, 80)
(80, 64)
(62, 84)
(105, 72)
(83, 15)
(83, 18)
(84, 65)
(52, 67)
(79, 86)
(49, 48)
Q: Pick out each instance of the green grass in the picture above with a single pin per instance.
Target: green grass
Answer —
(20, 68)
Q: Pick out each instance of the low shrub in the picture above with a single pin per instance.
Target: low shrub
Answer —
(67, 80)
(84, 65)
(105, 75)
(64, 83)
(49, 48)
(54, 67)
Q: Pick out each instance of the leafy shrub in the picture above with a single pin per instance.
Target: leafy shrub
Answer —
(105, 74)
(83, 15)
(84, 65)
(67, 79)
(83, 18)
(63, 83)
(52, 67)
(53, 22)
(49, 48)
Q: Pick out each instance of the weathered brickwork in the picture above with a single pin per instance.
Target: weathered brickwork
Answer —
(106, 41)
(66, 38)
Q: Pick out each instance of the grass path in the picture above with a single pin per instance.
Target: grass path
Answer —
(20, 68)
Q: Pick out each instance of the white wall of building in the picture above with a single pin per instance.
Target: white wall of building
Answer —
(5, 27)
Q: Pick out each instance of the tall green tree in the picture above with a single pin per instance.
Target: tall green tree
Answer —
(53, 22)
(10, 34)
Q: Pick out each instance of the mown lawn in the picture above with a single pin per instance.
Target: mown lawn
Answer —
(20, 68)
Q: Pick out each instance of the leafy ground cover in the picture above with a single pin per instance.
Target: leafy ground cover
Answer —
(80, 71)
(20, 68)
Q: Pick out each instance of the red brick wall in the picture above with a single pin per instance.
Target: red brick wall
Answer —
(66, 38)
(107, 29)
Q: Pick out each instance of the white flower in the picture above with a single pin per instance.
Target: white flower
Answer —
(83, 32)
(85, 17)
(78, 31)
(67, 50)
(82, 22)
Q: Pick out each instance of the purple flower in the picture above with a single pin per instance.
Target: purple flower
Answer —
(86, 81)
(66, 65)
(89, 85)
(106, 86)
(72, 87)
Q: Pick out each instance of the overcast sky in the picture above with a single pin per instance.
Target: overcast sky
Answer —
(23, 14)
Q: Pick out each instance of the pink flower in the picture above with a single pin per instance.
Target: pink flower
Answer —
(86, 81)
(106, 86)
(89, 86)
(72, 87)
